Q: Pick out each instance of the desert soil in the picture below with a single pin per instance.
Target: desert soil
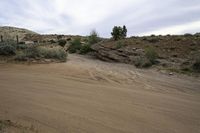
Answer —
(85, 95)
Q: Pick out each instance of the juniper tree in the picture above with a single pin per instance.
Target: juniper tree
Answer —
(119, 32)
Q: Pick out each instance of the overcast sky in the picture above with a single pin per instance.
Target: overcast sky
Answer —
(142, 17)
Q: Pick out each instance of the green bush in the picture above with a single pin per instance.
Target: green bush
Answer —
(32, 52)
(85, 49)
(197, 34)
(188, 35)
(51, 53)
(52, 41)
(22, 46)
(153, 39)
(196, 65)
(7, 50)
(4, 124)
(119, 45)
(142, 62)
(62, 42)
(21, 42)
(21, 57)
(93, 38)
(48, 53)
(24, 52)
(151, 54)
(148, 60)
(75, 45)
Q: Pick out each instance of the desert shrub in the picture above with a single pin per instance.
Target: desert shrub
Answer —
(7, 50)
(52, 41)
(85, 49)
(178, 39)
(72, 50)
(22, 46)
(119, 45)
(197, 34)
(75, 45)
(39, 52)
(4, 124)
(69, 39)
(151, 54)
(56, 54)
(144, 38)
(196, 65)
(21, 57)
(153, 39)
(51, 53)
(60, 37)
(21, 43)
(168, 35)
(32, 52)
(93, 37)
(62, 42)
(1, 126)
(142, 62)
(8, 42)
(186, 70)
(187, 35)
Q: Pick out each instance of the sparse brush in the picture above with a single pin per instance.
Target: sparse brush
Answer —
(119, 45)
(142, 62)
(51, 53)
(151, 54)
(22, 46)
(21, 56)
(153, 39)
(75, 45)
(43, 52)
(196, 65)
(93, 38)
(62, 42)
(7, 49)
(85, 49)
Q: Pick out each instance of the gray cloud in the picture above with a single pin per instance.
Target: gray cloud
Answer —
(80, 17)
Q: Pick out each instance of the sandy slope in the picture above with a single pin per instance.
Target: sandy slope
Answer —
(85, 95)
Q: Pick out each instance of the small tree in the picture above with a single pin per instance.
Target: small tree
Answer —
(116, 33)
(93, 37)
(119, 32)
(124, 31)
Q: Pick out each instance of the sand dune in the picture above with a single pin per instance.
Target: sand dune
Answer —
(91, 96)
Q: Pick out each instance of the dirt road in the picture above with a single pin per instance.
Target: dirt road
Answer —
(91, 96)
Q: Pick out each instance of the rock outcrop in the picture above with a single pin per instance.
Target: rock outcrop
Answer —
(117, 53)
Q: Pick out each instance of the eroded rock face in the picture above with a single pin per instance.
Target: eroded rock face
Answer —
(124, 54)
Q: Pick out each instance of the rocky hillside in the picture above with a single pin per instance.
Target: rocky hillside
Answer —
(11, 32)
(178, 52)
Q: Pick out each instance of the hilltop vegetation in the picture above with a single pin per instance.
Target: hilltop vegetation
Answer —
(177, 53)
(32, 53)
(10, 33)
